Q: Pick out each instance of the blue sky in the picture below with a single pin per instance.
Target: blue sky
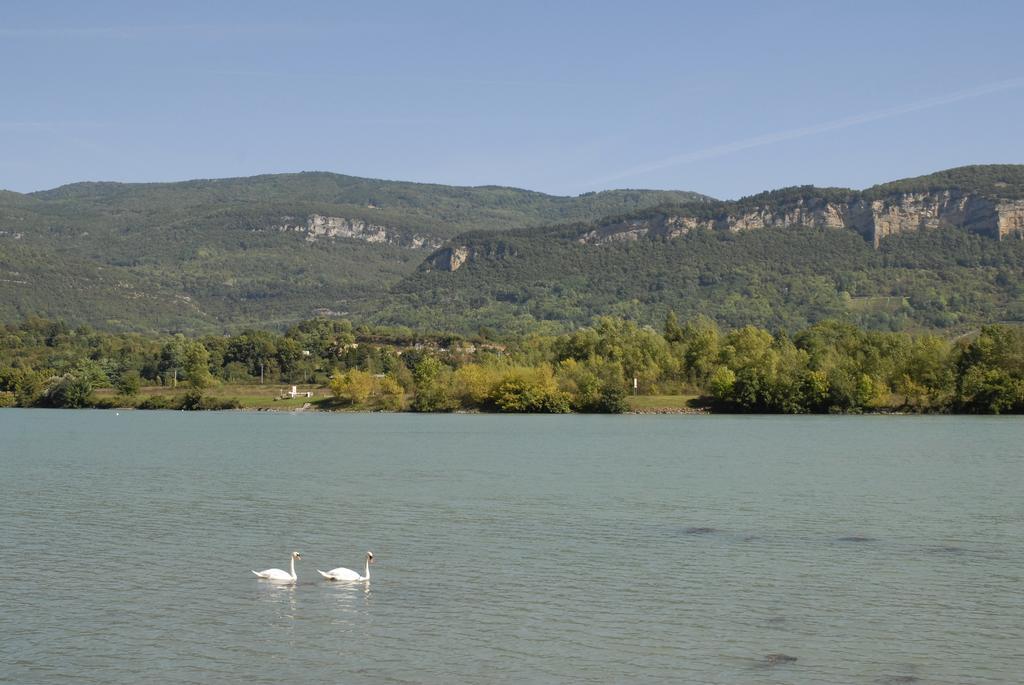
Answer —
(725, 98)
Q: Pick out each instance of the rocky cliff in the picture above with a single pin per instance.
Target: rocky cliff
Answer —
(450, 258)
(879, 218)
(873, 217)
(873, 214)
(318, 226)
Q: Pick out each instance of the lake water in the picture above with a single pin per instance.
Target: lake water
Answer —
(511, 549)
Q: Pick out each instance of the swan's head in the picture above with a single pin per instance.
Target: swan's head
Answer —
(369, 557)
(296, 555)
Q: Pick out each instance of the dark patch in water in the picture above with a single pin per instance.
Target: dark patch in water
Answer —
(699, 530)
(776, 620)
(856, 538)
(898, 679)
(949, 550)
(779, 658)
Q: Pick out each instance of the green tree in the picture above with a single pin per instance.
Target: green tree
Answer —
(289, 358)
(723, 380)
(473, 383)
(391, 394)
(195, 362)
(28, 387)
(68, 391)
(257, 350)
(674, 333)
(129, 383)
(990, 372)
(172, 359)
(529, 389)
(433, 387)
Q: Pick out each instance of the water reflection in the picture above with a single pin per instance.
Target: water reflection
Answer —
(281, 596)
(350, 603)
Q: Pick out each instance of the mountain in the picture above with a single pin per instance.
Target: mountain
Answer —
(938, 251)
(206, 255)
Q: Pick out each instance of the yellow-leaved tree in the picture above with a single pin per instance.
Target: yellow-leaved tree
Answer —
(352, 387)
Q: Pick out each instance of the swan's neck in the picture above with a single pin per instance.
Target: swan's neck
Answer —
(366, 569)
(294, 577)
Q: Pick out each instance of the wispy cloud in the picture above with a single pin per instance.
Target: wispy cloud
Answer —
(137, 31)
(65, 32)
(355, 75)
(277, 30)
(45, 125)
(793, 134)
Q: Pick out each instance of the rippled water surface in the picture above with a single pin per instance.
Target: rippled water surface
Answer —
(526, 549)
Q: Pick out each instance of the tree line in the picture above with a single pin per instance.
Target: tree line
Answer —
(829, 367)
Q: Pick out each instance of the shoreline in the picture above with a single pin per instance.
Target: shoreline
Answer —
(646, 411)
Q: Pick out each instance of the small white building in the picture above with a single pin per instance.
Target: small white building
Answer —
(294, 392)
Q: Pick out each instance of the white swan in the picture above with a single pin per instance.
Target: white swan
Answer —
(347, 574)
(278, 574)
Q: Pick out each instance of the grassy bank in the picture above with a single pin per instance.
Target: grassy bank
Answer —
(668, 404)
(273, 397)
(243, 396)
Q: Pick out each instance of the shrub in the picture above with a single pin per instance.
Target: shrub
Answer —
(129, 383)
(156, 402)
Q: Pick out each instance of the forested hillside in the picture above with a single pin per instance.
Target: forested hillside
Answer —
(784, 278)
(214, 254)
(938, 252)
(941, 252)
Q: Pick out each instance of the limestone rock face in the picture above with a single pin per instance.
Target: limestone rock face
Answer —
(450, 258)
(873, 214)
(817, 214)
(875, 219)
(667, 227)
(318, 226)
(454, 256)
(880, 219)
(1010, 219)
(458, 256)
(949, 208)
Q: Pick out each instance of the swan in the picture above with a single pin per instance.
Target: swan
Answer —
(278, 574)
(347, 574)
